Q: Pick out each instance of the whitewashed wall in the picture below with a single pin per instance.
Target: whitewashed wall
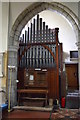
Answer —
(0, 27)
(5, 19)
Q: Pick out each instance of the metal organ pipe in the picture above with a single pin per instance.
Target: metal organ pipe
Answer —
(37, 55)
(37, 28)
(43, 31)
(34, 31)
(41, 40)
(25, 36)
(28, 36)
(40, 29)
(31, 34)
(43, 61)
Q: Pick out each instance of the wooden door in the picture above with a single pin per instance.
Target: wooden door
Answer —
(72, 76)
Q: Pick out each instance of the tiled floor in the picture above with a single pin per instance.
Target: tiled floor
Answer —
(66, 113)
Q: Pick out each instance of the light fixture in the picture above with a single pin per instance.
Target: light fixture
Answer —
(44, 70)
(37, 68)
(12, 67)
(17, 81)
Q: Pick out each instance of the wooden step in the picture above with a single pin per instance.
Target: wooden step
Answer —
(33, 108)
(29, 98)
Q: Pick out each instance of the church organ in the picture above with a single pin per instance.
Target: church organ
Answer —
(40, 59)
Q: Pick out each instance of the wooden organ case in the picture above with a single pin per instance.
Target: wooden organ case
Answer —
(40, 61)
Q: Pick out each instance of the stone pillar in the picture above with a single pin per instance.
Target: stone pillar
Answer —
(79, 52)
(79, 63)
(79, 71)
(79, 41)
(12, 61)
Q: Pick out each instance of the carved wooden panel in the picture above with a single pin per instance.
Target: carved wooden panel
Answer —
(34, 78)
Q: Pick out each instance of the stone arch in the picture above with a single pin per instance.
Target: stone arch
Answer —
(35, 8)
(19, 24)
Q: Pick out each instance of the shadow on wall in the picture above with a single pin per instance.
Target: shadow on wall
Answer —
(66, 56)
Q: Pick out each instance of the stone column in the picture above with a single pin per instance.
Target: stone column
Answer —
(79, 71)
(12, 61)
(79, 41)
(79, 52)
(79, 63)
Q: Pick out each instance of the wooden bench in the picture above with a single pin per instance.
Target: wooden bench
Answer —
(32, 91)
